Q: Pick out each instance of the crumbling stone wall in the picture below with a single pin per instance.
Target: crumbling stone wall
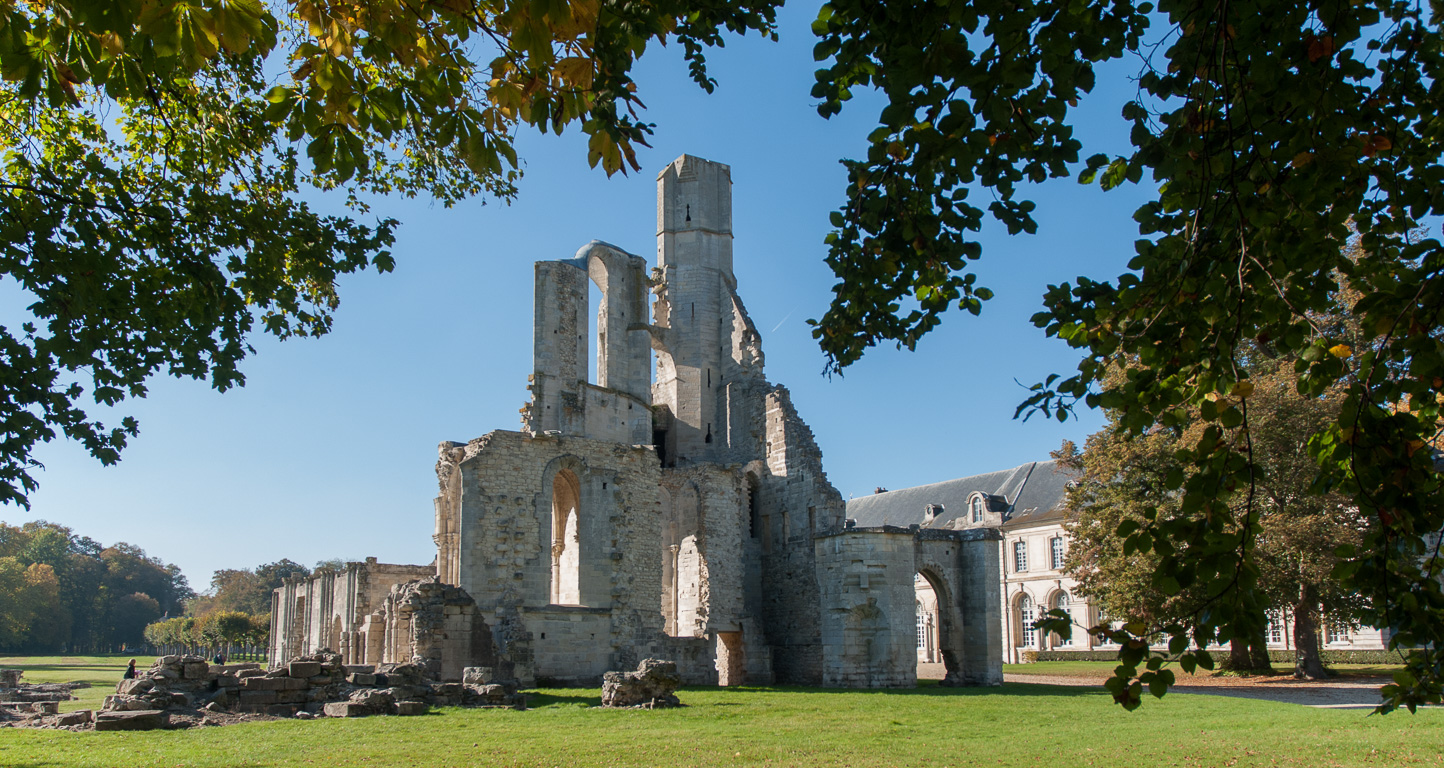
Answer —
(437, 627)
(338, 610)
(309, 686)
(652, 684)
(506, 507)
(868, 608)
(868, 604)
(27, 700)
(617, 407)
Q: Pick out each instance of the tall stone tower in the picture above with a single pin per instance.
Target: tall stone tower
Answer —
(694, 253)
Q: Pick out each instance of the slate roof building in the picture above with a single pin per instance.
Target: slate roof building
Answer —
(1027, 504)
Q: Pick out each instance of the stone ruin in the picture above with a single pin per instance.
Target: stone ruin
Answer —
(672, 505)
(311, 686)
(185, 691)
(652, 685)
(28, 702)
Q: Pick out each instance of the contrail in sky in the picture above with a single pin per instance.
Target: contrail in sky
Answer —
(783, 320)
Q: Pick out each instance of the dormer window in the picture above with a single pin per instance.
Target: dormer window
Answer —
(931, 513)
(977, 508)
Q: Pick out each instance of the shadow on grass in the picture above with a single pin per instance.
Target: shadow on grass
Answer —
(587, 697)
(931, 688)
(591, 697)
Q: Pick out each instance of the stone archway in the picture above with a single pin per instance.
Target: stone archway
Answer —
(948, 623)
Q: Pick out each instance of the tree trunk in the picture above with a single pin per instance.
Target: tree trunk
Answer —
(1258, 649)
(1308, 664)
(1238, 659)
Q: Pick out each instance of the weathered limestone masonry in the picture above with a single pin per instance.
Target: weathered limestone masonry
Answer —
(651, 686)
(559, 538)
(869, 629)
(686, 518)
(343, 611)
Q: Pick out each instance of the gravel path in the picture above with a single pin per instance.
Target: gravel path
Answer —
(1343, 693)
(1351, 693)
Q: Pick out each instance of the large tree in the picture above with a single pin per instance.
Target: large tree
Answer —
(249, 591)
(1124, 480)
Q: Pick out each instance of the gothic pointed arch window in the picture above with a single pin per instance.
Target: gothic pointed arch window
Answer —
(566, 539)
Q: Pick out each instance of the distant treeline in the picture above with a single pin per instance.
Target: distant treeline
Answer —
(234, 618)
(232, 633)
(64, 593)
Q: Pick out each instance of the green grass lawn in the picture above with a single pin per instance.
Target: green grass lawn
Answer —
(1016, 725)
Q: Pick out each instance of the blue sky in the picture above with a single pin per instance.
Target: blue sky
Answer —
(329, 449)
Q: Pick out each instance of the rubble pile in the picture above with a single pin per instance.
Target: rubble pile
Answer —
(176, 682)
(19, 699)
(185, 691)
(652, 685)
(182, 691)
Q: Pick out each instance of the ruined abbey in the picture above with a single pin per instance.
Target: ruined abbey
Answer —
(682, 515)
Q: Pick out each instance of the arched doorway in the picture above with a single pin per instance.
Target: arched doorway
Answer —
(927, 623)
(939, 637)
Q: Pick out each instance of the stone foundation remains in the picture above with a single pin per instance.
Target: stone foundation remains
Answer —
(19, 701)
(309, 686)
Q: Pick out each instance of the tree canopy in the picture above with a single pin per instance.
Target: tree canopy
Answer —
(1124, 478)
(152, 159)
(1274, 133)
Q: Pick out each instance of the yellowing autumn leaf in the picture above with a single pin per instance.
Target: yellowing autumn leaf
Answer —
(575, 71)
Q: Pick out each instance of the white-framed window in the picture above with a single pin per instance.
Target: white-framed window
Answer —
(1336, 632)
(977, 508)
(1020, 556)
(1055, 551)
(922, 626)
(1061, 603)
(1276, 627)
(1026, 617)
